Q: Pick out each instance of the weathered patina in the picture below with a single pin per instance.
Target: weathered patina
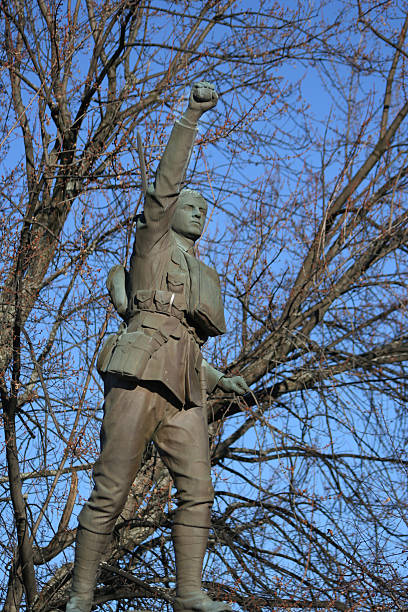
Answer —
(154, 372)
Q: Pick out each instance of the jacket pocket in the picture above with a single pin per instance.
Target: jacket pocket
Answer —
(176, 282)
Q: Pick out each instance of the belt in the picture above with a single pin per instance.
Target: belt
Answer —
(164, 303)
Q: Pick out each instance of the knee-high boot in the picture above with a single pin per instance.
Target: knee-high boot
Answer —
(88, 551)
(190, 544)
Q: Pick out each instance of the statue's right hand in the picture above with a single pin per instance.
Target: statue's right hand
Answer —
(203, 96)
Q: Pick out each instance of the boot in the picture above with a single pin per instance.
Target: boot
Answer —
(88, 551)
(190, 544)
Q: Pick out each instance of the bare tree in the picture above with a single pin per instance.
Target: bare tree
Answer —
(309, 223)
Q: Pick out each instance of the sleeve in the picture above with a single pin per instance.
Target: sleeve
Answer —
(161, 197)
(212, 376)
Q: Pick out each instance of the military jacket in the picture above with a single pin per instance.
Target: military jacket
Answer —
(174, 299)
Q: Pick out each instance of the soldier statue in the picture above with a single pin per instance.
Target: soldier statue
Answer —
(154, 372)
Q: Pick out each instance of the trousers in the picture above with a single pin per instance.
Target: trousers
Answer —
(133, 415)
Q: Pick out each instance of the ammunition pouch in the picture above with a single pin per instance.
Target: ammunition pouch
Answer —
(127, 353)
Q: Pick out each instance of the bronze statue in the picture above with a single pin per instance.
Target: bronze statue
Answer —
(153, 372)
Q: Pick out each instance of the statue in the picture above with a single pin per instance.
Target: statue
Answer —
(154, 374)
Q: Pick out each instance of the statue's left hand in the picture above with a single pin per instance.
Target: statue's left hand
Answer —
(233, 384)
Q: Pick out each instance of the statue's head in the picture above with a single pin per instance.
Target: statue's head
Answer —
(189, 216)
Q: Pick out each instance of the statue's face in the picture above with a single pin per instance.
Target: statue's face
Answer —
(189, 216)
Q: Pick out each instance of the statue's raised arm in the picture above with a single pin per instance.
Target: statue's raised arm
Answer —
(161, 197)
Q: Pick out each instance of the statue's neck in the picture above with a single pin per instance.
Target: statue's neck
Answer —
(186, 244)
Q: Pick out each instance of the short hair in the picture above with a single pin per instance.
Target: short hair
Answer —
(191, 193)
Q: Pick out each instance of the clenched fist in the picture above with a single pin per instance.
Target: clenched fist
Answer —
(203, 97)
